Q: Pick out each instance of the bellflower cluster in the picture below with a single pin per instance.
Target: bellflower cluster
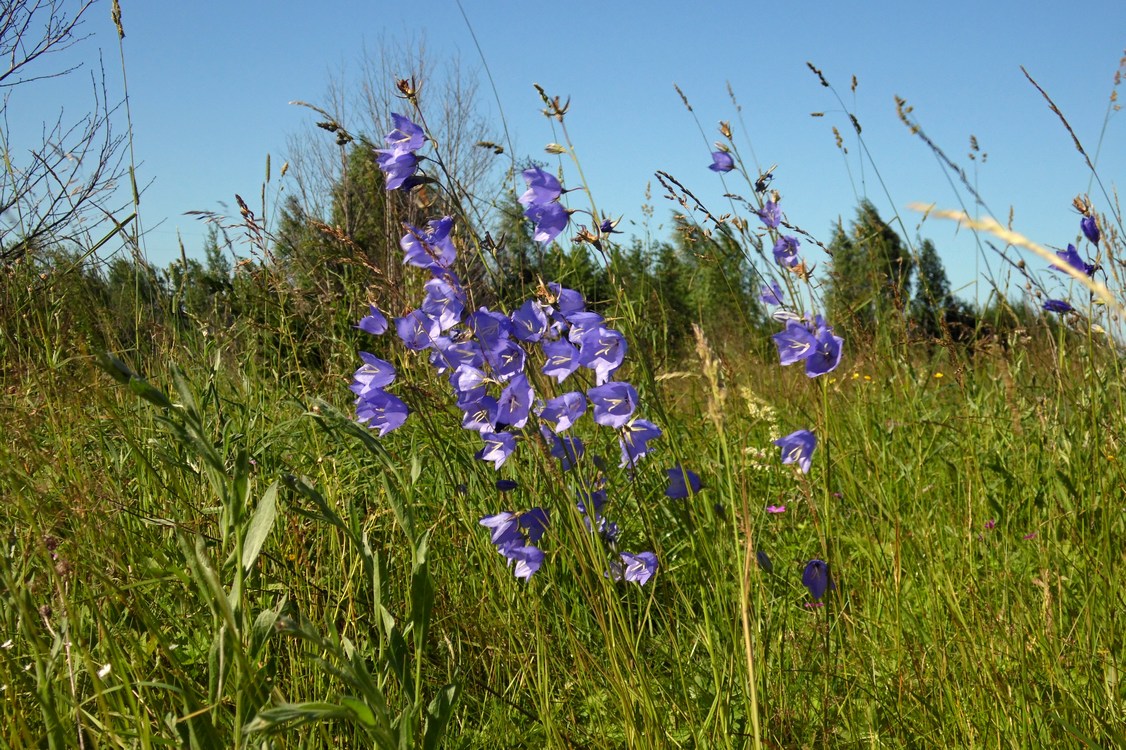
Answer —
(1072, 259)
(542, 206)
(399, 160)
(810, 340)
(486, 355)
(515, 535)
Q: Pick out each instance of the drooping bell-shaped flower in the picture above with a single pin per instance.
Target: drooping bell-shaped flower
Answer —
(798, 447)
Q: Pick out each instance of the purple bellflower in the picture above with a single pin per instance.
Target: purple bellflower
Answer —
(820, 349)
(406, 136)
(568, 300)
(682, 482)
(826, 354)
(381, 411)
(429, 248)
(795, 343)
(1090, 229)
(721, 162)
(480, 415)
(1071, 257)
(639, 567)
(563, 411)
(602, 350)
(374, 322)
(798, 447)
(816, 578)
(568, 449)
(772, 295)
(1057, 306)
(562, 359)
(543, 187)
(614, 403)
(498, 447)
(375, 373)
(417, 330)
(770, 214)
(786, 251)
(528, 560)
(634, 440)
(529, 323)
(515, 402)
(399, 162)
(550, 220)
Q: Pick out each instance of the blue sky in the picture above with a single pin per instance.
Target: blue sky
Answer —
(210, 84)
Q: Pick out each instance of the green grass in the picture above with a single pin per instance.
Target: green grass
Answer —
(128, 622)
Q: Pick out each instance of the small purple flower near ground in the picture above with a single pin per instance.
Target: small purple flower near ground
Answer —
(815, 577)
(682, 482)
(776, 509)
(721, 162)
(528, 560)
(639, 567)
(991, 523)
(798, 447)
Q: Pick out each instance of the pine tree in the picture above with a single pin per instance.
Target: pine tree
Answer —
(870, 281)
(933, 299)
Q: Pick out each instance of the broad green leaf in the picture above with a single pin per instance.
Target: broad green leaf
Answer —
(260, 526)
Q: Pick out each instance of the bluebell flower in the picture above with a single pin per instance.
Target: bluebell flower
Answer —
(381, 411)
(1090, 228)
(798, 447)
(498, 447)
(772, 295)
(770, 214)
(786, 251)
(682, 482)
(374, 322)
(614, 403)
(721, 162)
(816, 578)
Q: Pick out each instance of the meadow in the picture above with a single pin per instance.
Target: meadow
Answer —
(552, 513)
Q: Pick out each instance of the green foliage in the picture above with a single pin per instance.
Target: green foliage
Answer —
(870, 279)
